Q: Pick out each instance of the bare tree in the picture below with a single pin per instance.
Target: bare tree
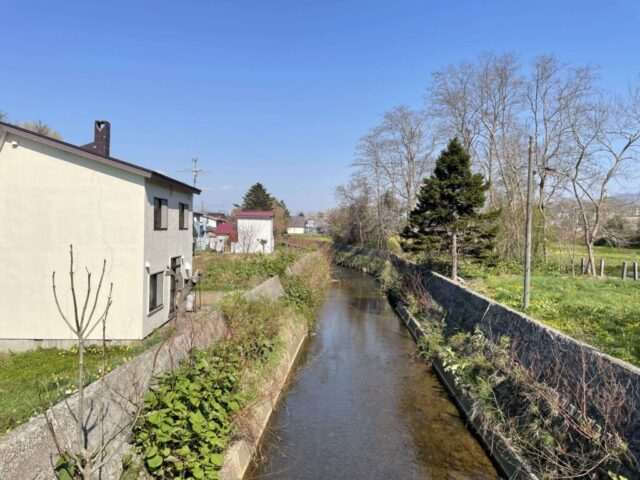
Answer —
(452, 99)
(41, 128)
(555, 91)
(248, 237)
(606, 136)
(352, 221)
(408, 150)
(82, 322)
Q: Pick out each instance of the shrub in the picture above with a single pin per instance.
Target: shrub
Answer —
(187, 417)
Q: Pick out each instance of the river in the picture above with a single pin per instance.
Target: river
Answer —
(361, 406)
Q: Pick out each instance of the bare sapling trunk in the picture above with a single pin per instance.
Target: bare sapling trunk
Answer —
(82, 324)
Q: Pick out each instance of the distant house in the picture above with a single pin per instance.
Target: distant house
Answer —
(296, 225)
(200, 237)
(137, 219)
(255, 233)
(223, 237)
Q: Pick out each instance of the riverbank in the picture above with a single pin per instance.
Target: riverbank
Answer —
(230, 388)
(506, 362)
(194, 349)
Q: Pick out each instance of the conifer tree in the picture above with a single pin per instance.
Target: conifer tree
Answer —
(448, 214)
(257, 199)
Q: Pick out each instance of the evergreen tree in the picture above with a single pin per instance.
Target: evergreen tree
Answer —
(257, 199)
(447, 216)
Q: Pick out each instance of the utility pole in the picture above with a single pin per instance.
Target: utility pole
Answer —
(527, 239)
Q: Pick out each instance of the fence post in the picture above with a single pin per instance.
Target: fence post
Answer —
(602, 267)
(581, 265)
(635, 271)
(624, 270)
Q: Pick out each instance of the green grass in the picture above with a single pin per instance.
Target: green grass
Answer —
(225, 272)
(31, 380)
(612, 256)
(602, 312)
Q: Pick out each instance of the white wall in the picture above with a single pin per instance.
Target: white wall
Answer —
(50, 199)
(162, 245)
(251, 231)
(295, 230)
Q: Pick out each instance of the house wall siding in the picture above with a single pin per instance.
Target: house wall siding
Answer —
(251, 231)
(62, 199)
(160, 246)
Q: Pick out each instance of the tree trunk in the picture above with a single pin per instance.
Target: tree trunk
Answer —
(454, 256)
(591, 266)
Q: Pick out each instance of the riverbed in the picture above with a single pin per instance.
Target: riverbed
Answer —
(360, 405)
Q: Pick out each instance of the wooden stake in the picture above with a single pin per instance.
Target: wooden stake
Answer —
(602, 267)
(624, 270)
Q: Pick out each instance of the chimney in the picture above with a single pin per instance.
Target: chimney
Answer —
(101, 138)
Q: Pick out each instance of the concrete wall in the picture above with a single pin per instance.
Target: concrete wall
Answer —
(552, 356)
(160, 246)
(50, 199)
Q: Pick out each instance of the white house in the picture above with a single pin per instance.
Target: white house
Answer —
(137, 219)
(255, 233)
(296, 225)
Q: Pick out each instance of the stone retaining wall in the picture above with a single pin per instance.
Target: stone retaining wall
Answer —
(552, 356)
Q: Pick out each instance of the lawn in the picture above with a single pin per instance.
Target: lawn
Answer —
(34, 379)
(225, 272)
(602, 312)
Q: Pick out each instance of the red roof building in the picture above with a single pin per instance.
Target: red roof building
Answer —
(225, 229)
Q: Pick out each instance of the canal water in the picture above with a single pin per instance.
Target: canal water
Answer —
(360, 406)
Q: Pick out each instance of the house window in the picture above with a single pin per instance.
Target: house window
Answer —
(155, 291)
(160, 214)
(184, 216)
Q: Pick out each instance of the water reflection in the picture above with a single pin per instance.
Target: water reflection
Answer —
(361, 407)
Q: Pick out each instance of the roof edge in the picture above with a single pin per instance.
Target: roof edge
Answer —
(107, 160)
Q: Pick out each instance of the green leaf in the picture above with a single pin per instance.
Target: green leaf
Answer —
(217, 459)
(154, 462)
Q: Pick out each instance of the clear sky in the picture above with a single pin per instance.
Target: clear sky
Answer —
(272, 91)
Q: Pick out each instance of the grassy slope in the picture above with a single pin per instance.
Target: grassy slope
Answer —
(226, 272)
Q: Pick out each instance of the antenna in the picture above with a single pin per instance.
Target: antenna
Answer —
(195, 171)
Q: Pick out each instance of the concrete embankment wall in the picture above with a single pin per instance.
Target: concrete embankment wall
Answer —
(553, 357)
(29, 452)
(240, 453)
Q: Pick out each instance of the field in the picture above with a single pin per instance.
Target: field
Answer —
(602, 312)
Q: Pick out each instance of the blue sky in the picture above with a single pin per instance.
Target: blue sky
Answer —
(272, 91)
